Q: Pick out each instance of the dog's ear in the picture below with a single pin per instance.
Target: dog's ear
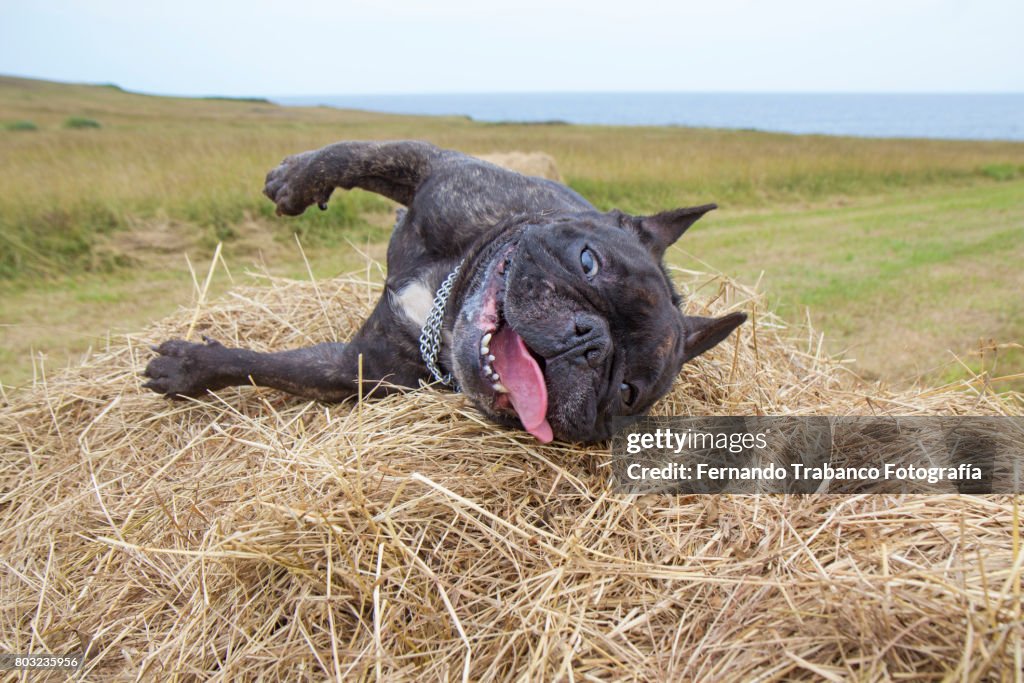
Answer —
(704, 333)
(661, 230)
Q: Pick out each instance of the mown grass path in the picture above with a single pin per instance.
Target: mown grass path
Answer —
(902, 281)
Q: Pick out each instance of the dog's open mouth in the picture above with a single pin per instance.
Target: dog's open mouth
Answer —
(509, 367)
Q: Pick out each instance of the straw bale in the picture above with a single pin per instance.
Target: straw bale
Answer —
(538, 164)
(253, 535)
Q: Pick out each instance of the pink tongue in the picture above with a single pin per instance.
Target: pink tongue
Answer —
(525, 382)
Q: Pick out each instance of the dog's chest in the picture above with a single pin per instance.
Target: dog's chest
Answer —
(412, 302)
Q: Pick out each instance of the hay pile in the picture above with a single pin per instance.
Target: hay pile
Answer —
(254, 535)
(539, 164)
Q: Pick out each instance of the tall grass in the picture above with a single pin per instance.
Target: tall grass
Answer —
(203, 162)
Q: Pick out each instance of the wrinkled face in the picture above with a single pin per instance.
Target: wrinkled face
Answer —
(563, 326)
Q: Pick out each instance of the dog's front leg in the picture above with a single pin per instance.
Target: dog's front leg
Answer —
(392, 169)
(326, 372)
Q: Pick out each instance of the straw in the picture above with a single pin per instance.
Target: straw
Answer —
(254, 535)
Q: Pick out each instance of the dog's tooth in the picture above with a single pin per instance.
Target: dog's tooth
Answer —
(495, 376)
(490, 358)
(484, 351)
(488, 370)
(486, 340)
(499, 387)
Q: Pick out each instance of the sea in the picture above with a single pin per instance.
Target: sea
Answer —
(945, 116)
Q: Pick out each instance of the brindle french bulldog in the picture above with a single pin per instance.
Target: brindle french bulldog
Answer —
(558, 318)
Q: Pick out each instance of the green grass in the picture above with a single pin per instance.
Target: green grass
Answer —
(21, 125)
(80, 122)
(901, 249)
(1003, 171)
(901, 281)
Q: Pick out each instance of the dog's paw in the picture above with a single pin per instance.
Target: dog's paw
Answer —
(185, 369)
(296, 183)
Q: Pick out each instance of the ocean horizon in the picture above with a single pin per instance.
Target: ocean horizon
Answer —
(985, 116)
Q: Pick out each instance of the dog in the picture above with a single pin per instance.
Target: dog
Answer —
(545, 312)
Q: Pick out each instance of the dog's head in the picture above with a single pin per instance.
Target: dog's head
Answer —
(563, 324)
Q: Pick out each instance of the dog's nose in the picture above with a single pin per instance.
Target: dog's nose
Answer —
(590, 338)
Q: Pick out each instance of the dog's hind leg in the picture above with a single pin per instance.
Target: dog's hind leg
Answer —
(392, 169)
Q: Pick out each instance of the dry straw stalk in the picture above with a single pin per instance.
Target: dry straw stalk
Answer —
(250, 535)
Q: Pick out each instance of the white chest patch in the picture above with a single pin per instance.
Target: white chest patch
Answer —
(413, 301)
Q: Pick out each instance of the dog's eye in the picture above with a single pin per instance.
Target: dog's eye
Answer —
(589, 263)
(628, 392)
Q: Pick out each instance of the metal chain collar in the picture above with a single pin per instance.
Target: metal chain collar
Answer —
(430, 336)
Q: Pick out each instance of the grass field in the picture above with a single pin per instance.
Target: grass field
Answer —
(904, 252)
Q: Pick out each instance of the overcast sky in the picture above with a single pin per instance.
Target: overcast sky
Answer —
(252, 47)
